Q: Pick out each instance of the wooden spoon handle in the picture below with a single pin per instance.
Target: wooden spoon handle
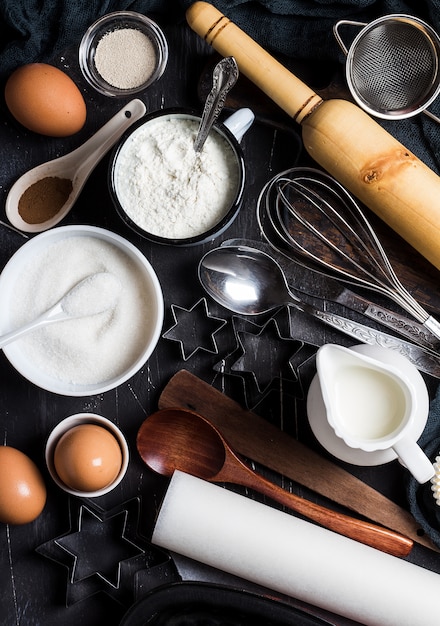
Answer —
(370, 534)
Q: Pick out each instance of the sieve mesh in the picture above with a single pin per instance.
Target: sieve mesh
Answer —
(394, 67)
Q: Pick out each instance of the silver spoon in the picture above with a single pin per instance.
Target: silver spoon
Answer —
(92, 295)
(248, 281)
(75, 166)
(224, 77)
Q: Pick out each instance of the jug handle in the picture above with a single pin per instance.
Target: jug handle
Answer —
(414, 459)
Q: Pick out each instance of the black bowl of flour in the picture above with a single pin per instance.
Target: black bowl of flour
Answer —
(168, 193)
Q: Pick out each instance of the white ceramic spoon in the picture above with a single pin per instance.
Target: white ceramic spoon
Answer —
(76, 166)
(92, 295)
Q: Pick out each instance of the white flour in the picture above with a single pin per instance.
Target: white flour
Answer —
(167, 188)
(92, 349)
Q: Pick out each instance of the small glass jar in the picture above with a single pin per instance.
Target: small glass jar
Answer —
(108, 26)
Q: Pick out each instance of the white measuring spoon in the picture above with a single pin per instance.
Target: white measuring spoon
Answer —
(92, 295)
(76, 166)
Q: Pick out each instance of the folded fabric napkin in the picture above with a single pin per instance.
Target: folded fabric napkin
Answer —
(31, 30)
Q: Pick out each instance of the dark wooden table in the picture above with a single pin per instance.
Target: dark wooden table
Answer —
(37, 583)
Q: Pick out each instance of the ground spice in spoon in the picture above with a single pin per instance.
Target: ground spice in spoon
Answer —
(44, 199)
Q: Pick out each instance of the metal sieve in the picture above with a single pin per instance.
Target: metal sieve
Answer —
(392, 66)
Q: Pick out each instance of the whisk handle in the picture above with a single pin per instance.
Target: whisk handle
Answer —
(398, 323)
(433, 326)
(418, 356)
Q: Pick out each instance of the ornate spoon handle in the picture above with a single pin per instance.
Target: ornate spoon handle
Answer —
(424, 360)
(224, 77)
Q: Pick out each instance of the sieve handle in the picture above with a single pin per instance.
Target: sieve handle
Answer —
(431, 116)
(338, 36)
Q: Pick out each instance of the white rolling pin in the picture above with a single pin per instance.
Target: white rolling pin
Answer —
(263, 545)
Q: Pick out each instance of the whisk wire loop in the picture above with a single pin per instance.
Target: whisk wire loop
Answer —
(381, 274)
(309, 216)
(315, 232)
(310, 195)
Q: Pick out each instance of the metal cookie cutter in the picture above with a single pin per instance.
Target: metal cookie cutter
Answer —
(194, 329)
(266, 357)
(102, 551)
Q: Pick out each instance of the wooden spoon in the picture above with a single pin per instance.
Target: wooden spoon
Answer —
(178, 439)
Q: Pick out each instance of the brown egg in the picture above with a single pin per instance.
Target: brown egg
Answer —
(87, 458)
(22, 489)
(45, 100)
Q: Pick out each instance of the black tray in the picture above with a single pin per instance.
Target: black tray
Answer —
(206, 604)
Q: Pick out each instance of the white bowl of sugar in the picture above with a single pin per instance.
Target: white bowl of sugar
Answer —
(92, 354)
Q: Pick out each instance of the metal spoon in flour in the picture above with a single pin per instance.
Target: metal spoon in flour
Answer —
(224, 77)
(92, 295)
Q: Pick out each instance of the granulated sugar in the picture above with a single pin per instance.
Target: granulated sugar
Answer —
(95, 294)
(92, 349)
(167, 188)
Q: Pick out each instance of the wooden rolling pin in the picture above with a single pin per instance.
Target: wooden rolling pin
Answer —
(340, 137)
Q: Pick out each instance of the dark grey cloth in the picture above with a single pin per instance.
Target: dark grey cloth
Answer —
(35, 30)
(32, 30)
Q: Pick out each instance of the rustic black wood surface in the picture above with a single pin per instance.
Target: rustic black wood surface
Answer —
(39, 583)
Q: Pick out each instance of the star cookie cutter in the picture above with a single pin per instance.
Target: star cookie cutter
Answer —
(267, 358)
(194, 329)
(103, 551)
